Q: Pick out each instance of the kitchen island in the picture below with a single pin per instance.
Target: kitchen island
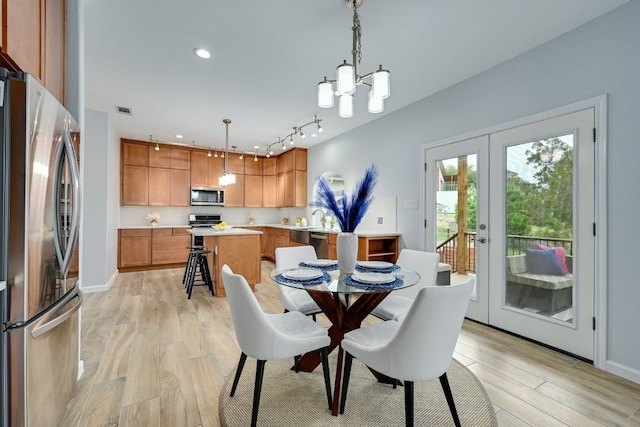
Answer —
(239, 248)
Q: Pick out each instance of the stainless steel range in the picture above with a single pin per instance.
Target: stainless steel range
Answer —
(202, 221)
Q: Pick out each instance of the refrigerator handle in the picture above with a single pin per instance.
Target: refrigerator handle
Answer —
(64, 251)
(53, 319)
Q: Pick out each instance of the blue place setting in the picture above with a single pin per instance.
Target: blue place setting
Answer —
(376, 266)
(372, 281)
(303, 277)
(321, 264)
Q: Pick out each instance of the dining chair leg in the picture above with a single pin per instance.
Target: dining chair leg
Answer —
(444, 381)
(243, 358)
(327, 379)
(256, 392)
(348, 360)
(408, 403)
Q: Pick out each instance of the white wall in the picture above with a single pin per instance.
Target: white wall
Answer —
(97, 245)
(597, 58)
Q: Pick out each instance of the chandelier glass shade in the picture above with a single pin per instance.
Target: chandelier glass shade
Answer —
(347, 78)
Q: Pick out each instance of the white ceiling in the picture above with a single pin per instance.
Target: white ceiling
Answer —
(268, 57)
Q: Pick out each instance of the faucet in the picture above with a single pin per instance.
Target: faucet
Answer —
(324, 216)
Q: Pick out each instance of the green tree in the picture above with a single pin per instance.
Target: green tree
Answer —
(552, 199)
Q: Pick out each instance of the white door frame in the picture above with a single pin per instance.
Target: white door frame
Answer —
(599, 103)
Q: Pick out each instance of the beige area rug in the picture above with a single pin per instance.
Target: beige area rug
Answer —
(290, 399)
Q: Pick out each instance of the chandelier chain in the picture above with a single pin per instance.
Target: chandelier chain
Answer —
(357, 34)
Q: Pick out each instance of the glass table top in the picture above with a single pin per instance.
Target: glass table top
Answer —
(334, 282)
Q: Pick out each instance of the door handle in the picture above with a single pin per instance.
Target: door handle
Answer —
(482, 240)
(53, 319)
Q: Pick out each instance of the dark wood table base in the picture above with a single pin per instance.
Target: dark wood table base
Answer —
(344, 317)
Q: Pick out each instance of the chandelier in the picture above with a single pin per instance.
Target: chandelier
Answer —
(348, 78)
(227, 177)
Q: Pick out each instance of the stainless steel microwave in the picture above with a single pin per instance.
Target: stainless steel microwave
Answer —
(207, 196)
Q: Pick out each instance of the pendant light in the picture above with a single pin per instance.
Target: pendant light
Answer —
(347, 78)
(227, 177)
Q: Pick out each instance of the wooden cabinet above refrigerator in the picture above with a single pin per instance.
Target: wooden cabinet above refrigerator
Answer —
(33, 41)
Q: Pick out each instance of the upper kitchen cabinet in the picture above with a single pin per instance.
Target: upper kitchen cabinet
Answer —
(170, 157)
(134, 173)
(205, 169)
(134, 153)
(292, 178)
(33, 41)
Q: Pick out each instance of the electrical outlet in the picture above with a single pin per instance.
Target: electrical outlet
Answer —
(379, 220)
(411, 204)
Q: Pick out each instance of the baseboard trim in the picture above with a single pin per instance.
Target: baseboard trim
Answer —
(623, 371)
(101, 288)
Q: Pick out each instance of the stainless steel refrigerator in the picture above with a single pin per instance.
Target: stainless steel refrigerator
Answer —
(39, 223)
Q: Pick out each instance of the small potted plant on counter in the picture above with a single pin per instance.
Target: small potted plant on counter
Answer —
(252, 218)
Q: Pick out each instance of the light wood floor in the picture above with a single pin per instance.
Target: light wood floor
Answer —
(154, 358)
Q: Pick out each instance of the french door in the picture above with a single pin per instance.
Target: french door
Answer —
(516, 209)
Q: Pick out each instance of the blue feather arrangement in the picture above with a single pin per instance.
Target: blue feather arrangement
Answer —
(350, 212)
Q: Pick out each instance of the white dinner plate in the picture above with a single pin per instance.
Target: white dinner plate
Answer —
(375, 264)
(373, 278)
(321, 262)
(302, 274)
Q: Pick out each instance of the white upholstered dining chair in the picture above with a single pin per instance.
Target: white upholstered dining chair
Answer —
(296, 299)
(270, 336)
(418, 349)
(397, 303)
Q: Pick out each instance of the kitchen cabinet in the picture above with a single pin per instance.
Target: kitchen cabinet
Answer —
(169, 187)
(234, 193)
(159, 187)
(253, 191)
(134, 248)
(378, 248)
(33, 40)
(134, 153)
(169, 246)
(269, 192)
(240, 252)
(134, 186)
(269, 183)
(164, 177)
(291, 180)
(143, 248)
(253, 166)
(333, 246)
(169, 157)
(134, 175)
(205, 170)
(152, 177)
(275, 238)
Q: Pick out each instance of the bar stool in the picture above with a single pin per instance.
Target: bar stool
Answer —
(199, 267)
(191, 262)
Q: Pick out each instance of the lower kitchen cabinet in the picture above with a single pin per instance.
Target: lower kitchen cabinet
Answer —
(143, 248)
(169, 246)
(378, 248)
(134, 248)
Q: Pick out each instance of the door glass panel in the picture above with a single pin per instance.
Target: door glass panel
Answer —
(456, 180)
(539, 227)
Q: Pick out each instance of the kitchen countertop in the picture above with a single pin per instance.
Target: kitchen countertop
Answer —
(228, 232)
(238, 231)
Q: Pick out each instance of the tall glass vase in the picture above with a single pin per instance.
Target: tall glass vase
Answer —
(347, 246)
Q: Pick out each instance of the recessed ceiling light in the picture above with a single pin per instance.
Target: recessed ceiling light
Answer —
(179, 136)
(202, 53)
(256, 147)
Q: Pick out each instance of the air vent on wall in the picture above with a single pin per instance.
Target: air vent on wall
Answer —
(123, 110)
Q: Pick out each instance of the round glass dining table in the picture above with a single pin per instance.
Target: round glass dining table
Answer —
(346, 301)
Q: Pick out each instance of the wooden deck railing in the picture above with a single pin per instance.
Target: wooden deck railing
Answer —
(516, 245)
